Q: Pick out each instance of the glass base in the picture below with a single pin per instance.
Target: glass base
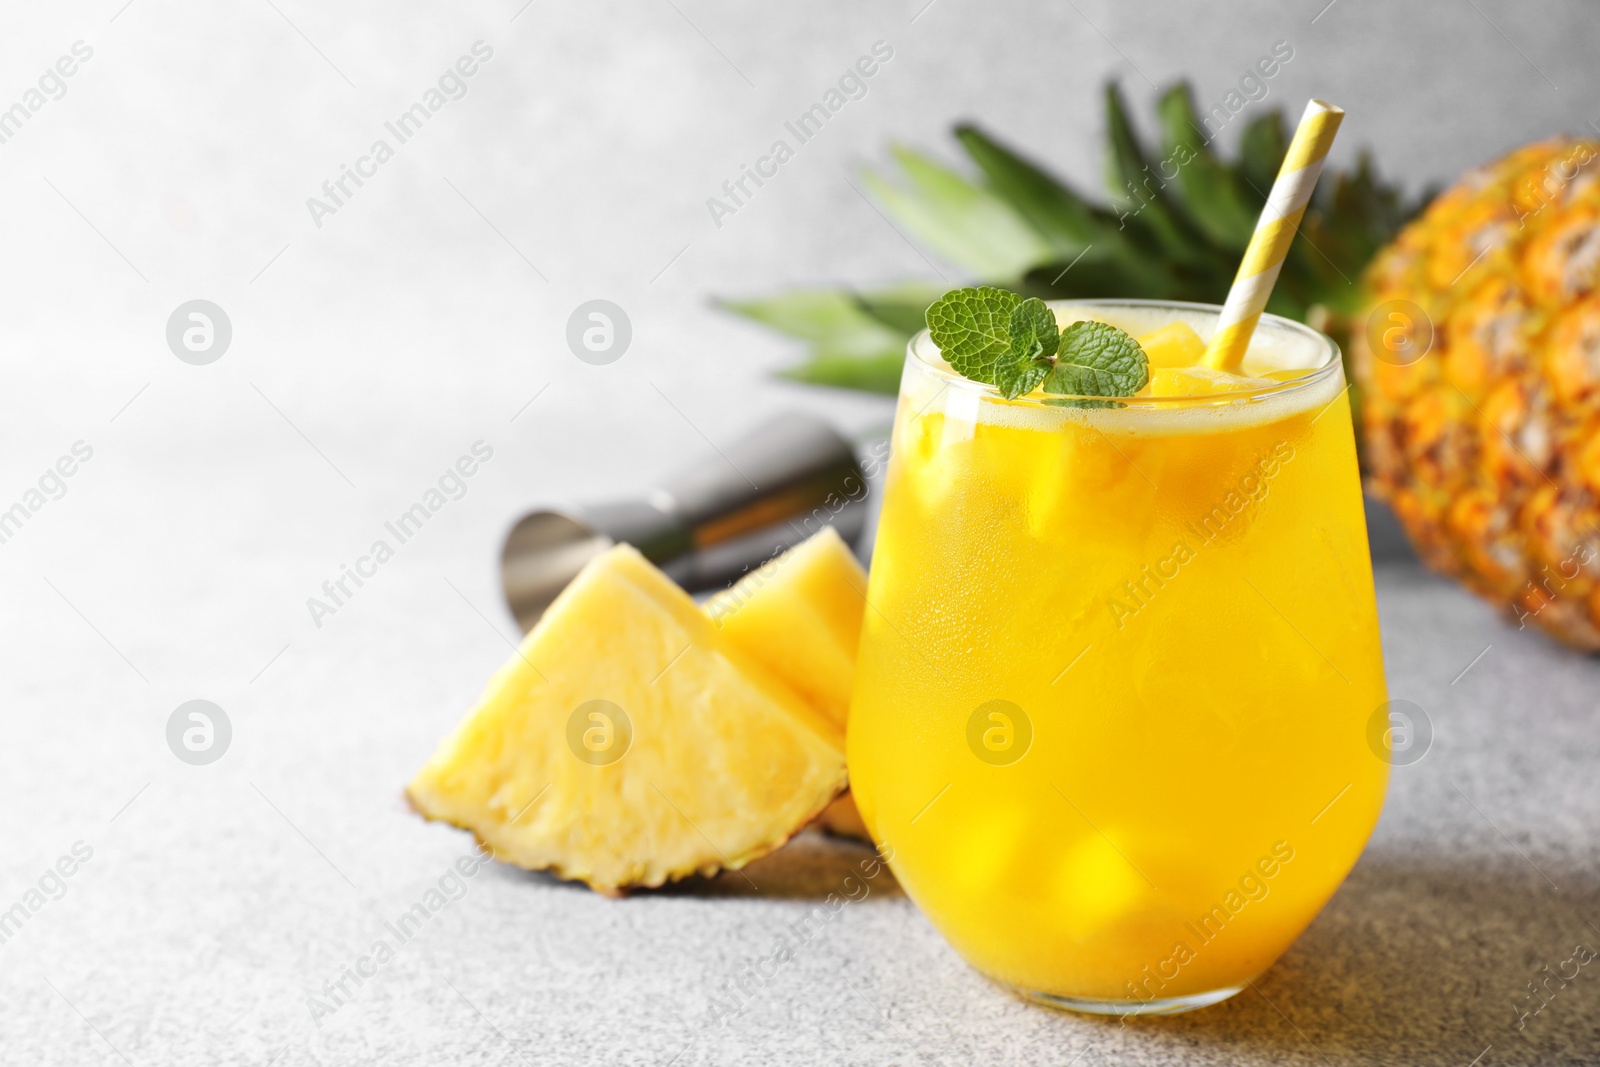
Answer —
(1125, 1008)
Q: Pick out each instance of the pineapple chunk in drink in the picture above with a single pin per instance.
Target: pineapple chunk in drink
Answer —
(1173, 345)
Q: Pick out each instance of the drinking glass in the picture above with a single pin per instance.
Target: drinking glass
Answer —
(1120, 717)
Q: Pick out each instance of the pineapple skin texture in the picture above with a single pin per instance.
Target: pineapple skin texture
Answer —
(1488, 446)
(725, 763)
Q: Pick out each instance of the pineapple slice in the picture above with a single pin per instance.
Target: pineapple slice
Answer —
(628, 743)
(1201, 381)
(1174, 345)
(800, 617)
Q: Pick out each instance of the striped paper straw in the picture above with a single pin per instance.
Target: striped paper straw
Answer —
(1274, 233)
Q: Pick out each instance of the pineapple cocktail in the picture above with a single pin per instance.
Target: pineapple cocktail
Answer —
(1119, 664)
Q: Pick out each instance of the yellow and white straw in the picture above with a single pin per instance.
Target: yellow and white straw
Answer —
(1274, 233)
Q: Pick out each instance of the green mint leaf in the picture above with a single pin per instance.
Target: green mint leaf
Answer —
(1033, 330)
(1000, 339)
(1097, 359)
(972, 328)
(1013, 379)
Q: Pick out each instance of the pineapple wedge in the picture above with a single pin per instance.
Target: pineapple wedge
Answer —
(800, 617)
(628, 743)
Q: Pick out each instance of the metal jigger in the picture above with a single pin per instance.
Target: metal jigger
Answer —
(769, 490)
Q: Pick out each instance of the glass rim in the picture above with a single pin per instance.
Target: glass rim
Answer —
(1332, 362)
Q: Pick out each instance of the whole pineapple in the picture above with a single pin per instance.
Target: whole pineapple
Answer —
(1479, 362)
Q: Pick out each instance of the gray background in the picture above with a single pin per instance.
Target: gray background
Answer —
(426, 315)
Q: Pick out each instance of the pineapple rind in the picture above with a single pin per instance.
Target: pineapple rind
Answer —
(1484, 446)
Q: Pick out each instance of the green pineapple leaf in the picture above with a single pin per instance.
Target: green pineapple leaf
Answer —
(1132, 277)
(873, 374)
(1262, 146)
(1212, 195)
(956, 219)
(1136, 187)
(902, 308)
(850, 349)
(831, 320)
(1061, 216)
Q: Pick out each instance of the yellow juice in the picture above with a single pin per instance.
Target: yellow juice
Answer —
(1112, 721)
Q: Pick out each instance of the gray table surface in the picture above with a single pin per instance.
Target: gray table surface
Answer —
(219, 899)
(428, 314)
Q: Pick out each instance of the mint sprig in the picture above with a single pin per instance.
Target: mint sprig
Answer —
(1001, 339)
(972, 328)
(1097, 359)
